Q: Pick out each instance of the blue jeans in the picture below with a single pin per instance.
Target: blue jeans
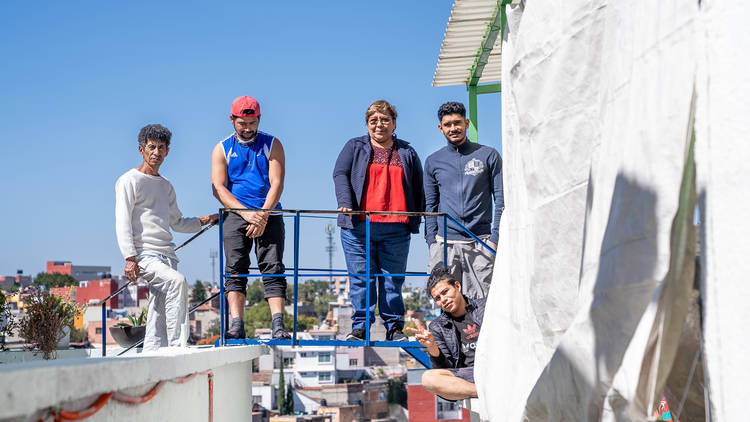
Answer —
(389, 247)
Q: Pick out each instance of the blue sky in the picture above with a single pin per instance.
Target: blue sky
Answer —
(81, 78)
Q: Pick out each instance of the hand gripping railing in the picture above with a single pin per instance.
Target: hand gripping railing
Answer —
(103, 302)
(413, 348)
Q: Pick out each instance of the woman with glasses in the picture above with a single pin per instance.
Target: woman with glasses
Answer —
(378, 172)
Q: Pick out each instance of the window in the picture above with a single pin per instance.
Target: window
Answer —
(324, 376)
(99, 330)
(305, 354)
(446, 410)
(324, 357)
(352, 362)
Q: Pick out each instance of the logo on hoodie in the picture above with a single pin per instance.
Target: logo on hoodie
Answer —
(474, 167)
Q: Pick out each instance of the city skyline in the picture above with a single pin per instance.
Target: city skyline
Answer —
(74, 104)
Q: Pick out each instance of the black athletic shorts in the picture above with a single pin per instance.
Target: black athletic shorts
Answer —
(269, 251)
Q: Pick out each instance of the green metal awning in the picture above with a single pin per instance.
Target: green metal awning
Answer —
(471, 51)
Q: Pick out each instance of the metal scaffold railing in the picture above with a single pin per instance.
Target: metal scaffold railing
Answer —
(411, 347)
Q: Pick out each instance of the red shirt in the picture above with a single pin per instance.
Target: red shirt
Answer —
(385, 186)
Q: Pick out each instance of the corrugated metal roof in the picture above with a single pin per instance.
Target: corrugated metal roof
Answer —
(463, 38)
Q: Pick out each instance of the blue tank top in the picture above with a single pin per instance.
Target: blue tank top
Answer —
(247, 169)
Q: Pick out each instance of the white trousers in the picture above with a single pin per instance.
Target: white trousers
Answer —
(167, 323)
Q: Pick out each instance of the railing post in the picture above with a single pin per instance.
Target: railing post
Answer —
(222, 297)
(104, 328)
(445, 241)
(367, 282)
(296, 276)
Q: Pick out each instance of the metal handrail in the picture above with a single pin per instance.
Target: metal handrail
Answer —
(103, 302)
(224, 311)
(190, 311)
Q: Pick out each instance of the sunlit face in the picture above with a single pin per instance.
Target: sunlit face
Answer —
(448, 296)
(380, 127)
(154, 152)
(246, 127)
(453, 127)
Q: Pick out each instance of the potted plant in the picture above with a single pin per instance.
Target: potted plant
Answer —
(48, 321)
(132, 331)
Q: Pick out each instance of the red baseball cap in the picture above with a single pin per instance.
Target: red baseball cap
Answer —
(245, 106)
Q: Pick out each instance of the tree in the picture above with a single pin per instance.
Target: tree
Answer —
(255, 292)
(280, 395)
(289, 401)
(198, 294)
(397, 391)
(54, 280)
(417, 301)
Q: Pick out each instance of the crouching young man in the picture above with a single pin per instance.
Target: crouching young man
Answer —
(145, 209)
(451, 339)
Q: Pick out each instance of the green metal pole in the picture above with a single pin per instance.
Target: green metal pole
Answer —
(473, 115)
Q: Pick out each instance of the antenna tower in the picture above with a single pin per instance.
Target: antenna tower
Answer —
(330, 230)
(212, 255)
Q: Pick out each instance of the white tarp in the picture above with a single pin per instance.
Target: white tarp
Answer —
(722, 153)
(592, 280)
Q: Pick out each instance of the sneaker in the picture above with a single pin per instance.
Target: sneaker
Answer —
(235, 334)
(395, 334)
(357, 334)
(281, 334)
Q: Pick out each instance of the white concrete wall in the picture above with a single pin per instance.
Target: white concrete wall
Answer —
(28, 389)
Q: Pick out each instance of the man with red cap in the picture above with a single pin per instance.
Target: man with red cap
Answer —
(247, 171)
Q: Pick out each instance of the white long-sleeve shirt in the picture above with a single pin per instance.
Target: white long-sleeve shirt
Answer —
(145, 209)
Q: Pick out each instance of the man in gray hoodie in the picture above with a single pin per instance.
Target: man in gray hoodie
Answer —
(463, 179)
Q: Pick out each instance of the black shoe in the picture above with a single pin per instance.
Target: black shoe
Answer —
(281, 334)
(235, 334)
(395, 334)
(357, 334)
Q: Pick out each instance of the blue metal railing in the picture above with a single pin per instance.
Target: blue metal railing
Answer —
(411, 347)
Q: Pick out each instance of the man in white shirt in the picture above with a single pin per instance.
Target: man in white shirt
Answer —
(145, 209)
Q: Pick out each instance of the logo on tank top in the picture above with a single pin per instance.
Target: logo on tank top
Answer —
(474, 167)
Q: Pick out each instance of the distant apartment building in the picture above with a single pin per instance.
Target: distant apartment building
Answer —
(339, 286)
(202, 319)
(97, 290)
(427, 407)
(79, 272)
(18, 280)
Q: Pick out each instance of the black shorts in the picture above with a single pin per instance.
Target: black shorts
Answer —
(269, 250)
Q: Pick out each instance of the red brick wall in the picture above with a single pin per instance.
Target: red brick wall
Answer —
(422, 406)
(97, 289)
(64, 267)
(64, 292)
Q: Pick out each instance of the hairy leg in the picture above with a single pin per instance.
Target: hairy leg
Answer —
(236, 304)
(276, 304)
(448, 386)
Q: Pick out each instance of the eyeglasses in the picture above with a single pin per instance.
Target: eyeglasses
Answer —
(384, 120)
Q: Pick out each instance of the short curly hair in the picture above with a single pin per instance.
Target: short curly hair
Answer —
(451, 107)
(154, 132)
(437, 275)
(381, 106)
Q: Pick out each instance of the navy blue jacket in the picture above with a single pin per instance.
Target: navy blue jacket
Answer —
(462, 182)
(446, 338)
(350, 174)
